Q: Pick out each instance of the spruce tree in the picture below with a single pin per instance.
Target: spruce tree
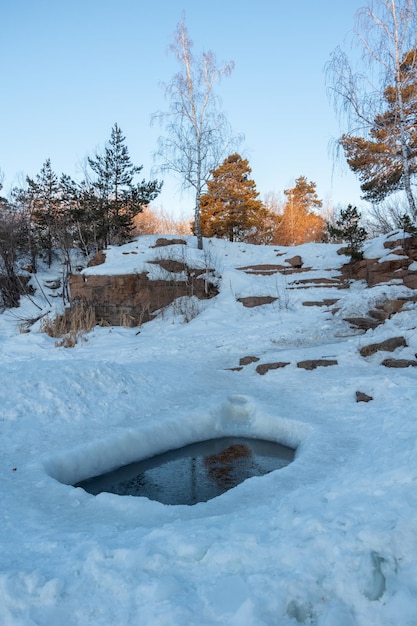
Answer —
(113, 199)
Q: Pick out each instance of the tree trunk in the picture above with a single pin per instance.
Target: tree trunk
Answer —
(403, 134)
(404, 148)
(197, 226)
(197, 222)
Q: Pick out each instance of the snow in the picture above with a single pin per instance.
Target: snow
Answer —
(329, 540)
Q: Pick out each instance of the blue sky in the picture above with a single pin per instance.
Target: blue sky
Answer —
(71, 69)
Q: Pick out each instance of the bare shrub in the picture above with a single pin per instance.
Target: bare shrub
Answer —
(387, 216)
(12, 243)
(187, 306)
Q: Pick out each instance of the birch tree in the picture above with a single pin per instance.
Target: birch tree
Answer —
(377, 99)
(198, 135)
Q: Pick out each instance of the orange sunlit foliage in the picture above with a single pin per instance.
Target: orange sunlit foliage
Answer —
(156, 221)
(300, 222)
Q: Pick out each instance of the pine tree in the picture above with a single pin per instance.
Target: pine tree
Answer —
(406, 223)
(231, 208)
(113, 199)
(300, 223)
(387, 160)
(347, 229)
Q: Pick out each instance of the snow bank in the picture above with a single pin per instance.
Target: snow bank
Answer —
(328, 540)
(236, 416)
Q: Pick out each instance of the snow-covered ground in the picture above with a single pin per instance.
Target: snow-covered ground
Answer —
(329, 540)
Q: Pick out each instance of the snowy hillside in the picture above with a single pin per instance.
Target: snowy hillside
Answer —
(328, 540)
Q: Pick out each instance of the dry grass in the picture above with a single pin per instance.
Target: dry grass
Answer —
(127, 320)
(53, 327)
(70, 326)
(142, 313)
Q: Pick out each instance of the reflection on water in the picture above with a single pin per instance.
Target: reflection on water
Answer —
(194, 473)
(229, 467)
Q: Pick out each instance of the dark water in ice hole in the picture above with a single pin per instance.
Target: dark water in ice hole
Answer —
(195, 473)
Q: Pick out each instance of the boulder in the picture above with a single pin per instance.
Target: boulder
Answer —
(295, 261)
(389, 345)
(363, 397)
(246, 360)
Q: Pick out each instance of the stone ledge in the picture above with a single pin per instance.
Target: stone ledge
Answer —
(312, 364)
(389, 345)
(252, 301)
(399, 363)
(265, 367)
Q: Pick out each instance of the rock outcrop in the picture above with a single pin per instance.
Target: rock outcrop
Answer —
(396, 266)
(132, 299)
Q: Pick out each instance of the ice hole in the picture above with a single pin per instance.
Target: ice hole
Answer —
(194, 473)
